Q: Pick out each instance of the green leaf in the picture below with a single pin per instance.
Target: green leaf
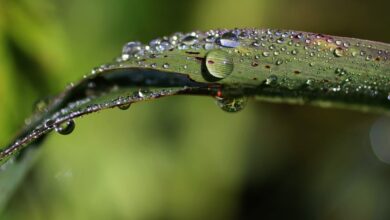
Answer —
(269, 65)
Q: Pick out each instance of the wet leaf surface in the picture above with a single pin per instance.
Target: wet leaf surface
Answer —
(269, 65)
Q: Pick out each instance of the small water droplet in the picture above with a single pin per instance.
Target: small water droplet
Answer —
(279, 62)
(49, 123)
(165, 65)
(124, 106)
(256, 44)
(338, 52)
(219, 63)
(280, 40)
(266, 53)
(340, 71)
(190, 40)
(232, 104)
(65, 128)
(229, 39)
(294, 52)
(271, 80)
(309, 82)
(131, 48)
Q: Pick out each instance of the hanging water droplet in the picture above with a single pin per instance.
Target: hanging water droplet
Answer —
(219, 63)
(338, 52)
(65, 128)
(124, 106)
(232, 104)
(229, 39)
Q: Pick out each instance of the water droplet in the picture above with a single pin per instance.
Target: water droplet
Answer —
(165, 65)
(338, 52)
(271, 80)
(190, 40)
(279, 62)
(280, 40)
(49, 123)
(232, 104)
(124, 106)
(340, 71)
(131, 48)
(256, 44)
(294, 52)
(266, 54)
(65, 128)
(229, 39)
(309, 82)
(219, 63)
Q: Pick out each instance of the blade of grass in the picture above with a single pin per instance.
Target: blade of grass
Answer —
(270, 65)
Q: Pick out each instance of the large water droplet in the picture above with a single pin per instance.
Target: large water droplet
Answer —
(229, 39)
(232, 104)
(219, 63)
(65, 128)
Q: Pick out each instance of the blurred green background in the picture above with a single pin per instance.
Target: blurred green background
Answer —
(182, 157)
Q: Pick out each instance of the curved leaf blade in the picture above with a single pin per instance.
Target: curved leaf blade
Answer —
(270, 65)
